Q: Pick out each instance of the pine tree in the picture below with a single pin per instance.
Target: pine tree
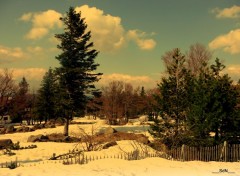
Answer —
(193, 105)
(198, 111)
(77, 60)
(213, 106)
(20, 105)
(172, 101)
(23, 87)
(223, 104)
(46, 102)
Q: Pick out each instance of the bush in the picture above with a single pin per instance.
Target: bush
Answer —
(158, 145)
(12, 165)
(178, 141)
(8, 152)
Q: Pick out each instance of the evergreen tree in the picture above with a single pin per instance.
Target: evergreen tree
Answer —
(223, 104)
(142, 93)
(76, 73)
(193, 105)
(172, 101)
(47, 101)
(213, 106)
(23, 87)
(21, 102)
(198, 111)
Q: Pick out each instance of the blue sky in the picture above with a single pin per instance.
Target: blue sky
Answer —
(131, 35)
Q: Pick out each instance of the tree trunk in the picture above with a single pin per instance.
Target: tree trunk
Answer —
(66, 127)
(216, 137)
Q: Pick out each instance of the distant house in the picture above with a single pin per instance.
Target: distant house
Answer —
(5, 119)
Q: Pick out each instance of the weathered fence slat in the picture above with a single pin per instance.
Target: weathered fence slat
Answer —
(222, 152)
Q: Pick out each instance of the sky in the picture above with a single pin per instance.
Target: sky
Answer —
(130, 35)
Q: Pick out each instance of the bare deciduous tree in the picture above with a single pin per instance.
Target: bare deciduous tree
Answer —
(197, 56)
(89, 141)
(7, 90)
(168, 57)
(112, 99)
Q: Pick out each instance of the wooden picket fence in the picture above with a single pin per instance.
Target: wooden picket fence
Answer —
(84, 159)
(11, 164)
(223, 152)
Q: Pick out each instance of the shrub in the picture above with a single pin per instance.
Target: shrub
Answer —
(12, 165)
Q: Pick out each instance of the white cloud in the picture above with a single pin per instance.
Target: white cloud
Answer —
(29, 73)
(26, 17)
(37, 33)
(146, 44)
(109, 34)
(107, 31)
(42, 23)
(11, 54)
(139, 38)
(232, 12)
(233, 69)
(54, 40)
(229, 42)
(48, 19)
(36, 49)
(33, 76)
(136, 81)
(16, 54)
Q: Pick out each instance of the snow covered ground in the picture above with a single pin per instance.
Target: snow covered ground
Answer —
(39, 165)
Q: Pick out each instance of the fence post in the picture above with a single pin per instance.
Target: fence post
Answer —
(223, 155)
(225, 151)
(182, 152)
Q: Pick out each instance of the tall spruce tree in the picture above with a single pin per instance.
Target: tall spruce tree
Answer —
(223, 104)
(21, 102)
(77, 60)
(198, 110)
(23, 87)
(47, 96)
(172, 101)
(213, 106)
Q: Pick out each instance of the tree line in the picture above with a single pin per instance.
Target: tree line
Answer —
(198, 105)
(15, 99)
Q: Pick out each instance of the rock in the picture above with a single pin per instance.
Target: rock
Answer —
(2, 130)
(5, 143)
(37, 138)
(38, 126)
(142, 139)
(10, 129)
(109, 130)
(56, 137)
(143, 119)
(74, 139)
(59, 122)
(67, 139)
(23, 129)
(109, 144)
(31, 129)
(50, 124)
(41, 125)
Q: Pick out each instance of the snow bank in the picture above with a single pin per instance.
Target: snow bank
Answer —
(41, 166)
(117, 167)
